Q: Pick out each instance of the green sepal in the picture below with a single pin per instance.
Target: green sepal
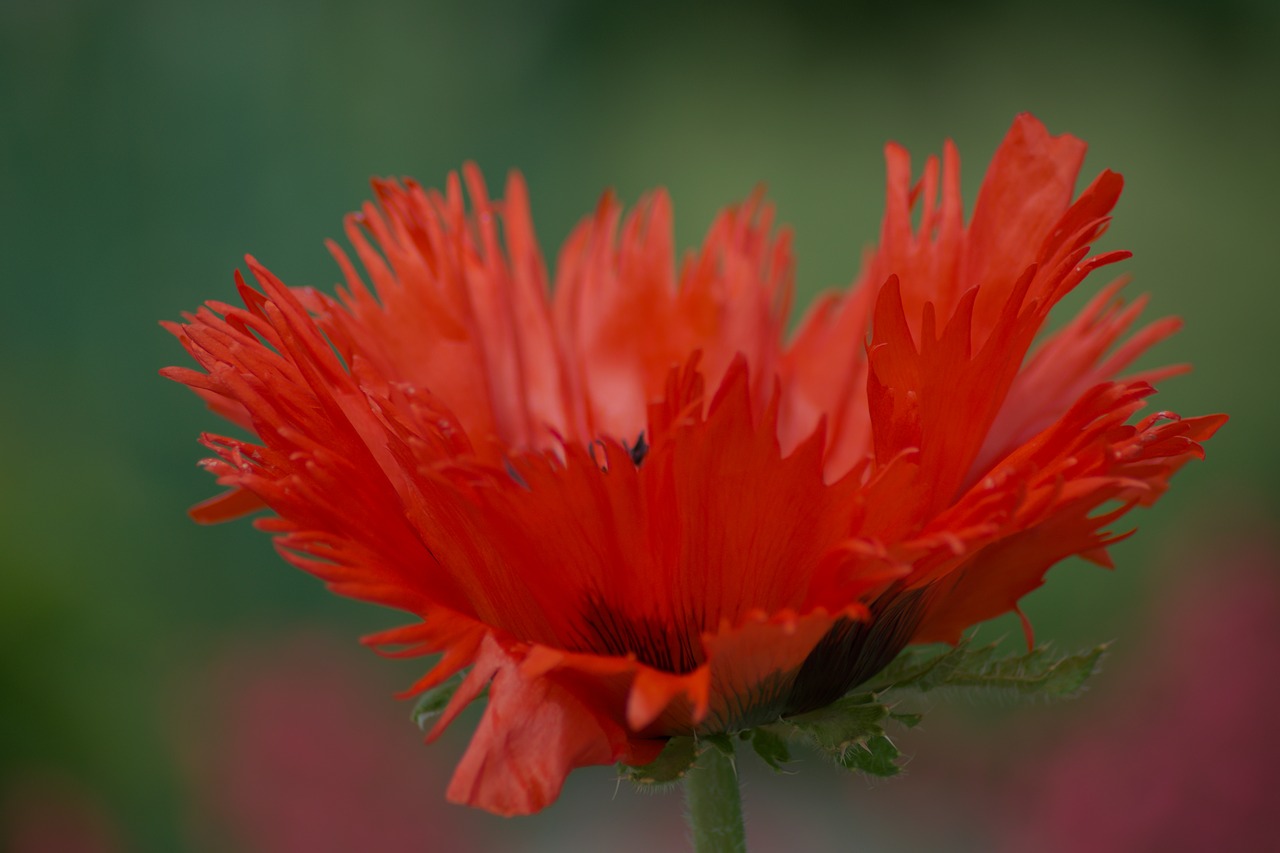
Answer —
(908, 720)
(431, 704)
(770, 745)
(850, 719)
(720, 741)
(670, 766)
(876, 756)
(851, 731)
(1039, 672)
(677, 756)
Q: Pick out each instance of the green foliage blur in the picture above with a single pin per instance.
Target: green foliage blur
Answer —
(147, 145)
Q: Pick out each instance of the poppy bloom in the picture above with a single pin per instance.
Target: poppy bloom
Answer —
(628, 505)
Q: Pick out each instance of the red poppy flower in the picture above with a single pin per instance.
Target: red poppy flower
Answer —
(628, 504)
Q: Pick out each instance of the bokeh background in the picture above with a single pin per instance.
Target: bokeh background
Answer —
(170, 687)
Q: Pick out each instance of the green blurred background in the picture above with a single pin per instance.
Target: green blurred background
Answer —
(146, 146)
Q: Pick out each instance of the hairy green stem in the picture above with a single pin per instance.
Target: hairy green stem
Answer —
(714, 804)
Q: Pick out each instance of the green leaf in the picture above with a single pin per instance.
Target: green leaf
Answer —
(770, 746)
(670, 766)
(432, 703)
(908, 720)
(851, 730)
(928, 668)
(1038, 672)
(876, 757)
(847, 720)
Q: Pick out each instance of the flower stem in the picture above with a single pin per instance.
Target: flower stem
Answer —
(714, 804)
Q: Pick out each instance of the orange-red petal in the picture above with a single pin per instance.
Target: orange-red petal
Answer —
(625, 507)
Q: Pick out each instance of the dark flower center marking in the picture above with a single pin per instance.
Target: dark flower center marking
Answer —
(659, 643)
(853, 651)
(638, 450)
(514, 474)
